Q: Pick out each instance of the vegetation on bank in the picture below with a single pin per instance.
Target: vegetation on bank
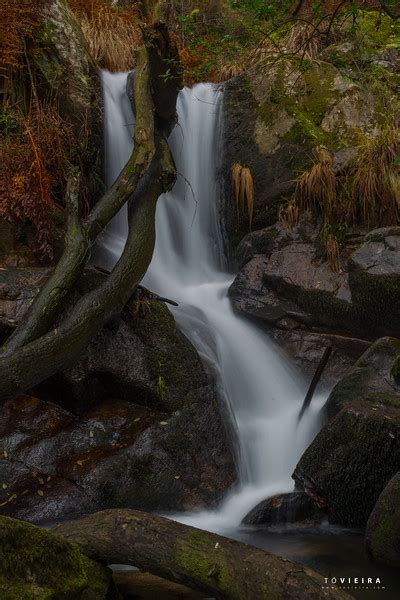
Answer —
(217, 40)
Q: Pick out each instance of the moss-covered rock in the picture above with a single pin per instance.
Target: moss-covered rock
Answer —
(383, 527)
(35, 563)
(355, 455)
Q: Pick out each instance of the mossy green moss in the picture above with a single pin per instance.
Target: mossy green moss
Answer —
(35, 563)
(202, 562)
(383, 528)
(378, 30)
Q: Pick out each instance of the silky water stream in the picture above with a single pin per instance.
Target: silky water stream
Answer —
(263, 391)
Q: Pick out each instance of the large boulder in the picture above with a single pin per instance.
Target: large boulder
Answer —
(355, 455)
(383, 527)
(35, 563)
(285, 279)
(54, 464)
(295, 507)
(136, 422)
(143, 358)
(374, 279)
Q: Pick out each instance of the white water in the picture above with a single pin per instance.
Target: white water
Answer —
(263, 391)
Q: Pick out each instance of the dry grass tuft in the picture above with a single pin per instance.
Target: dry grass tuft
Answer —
(318, 187)
(304, 39)
(112, 34)
(226, 71)
(376, 183)
(243, 190)
(288, 214)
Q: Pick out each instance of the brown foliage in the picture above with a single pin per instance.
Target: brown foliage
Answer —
(18, 21)
(376, 183)
(288, 214)
(317, 187)
(32, 164)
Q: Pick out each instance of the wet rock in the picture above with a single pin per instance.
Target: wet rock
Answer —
(284, 508)
(374, 278)
(54, 464)
(305, 349)
(35, 563)
(383, 527)
(18, 288)
(143, 358)
(135, 423)
(290, 281)
(355, 455)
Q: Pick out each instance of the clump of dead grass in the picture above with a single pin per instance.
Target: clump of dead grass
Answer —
(376, 179)
(112, 33)
(332, 249)
(227, 70)
(243, 190)
(317, 188)
(288, 214)
(32, 166)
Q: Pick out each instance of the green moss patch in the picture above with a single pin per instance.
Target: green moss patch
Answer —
(35, 563)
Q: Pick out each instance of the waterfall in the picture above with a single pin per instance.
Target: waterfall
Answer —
(263, 390)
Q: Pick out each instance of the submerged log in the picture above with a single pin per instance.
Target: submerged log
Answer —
(204, 561)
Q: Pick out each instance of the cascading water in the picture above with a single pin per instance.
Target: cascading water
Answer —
(263, 390)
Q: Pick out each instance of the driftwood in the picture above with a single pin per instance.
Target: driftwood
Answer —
(220, 567)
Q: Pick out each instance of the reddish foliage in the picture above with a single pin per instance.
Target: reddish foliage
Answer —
(32, 163)
(18, 20)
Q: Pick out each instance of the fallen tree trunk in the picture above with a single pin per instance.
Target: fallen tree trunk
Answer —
(213, 564)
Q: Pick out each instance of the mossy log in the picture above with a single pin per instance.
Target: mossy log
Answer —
(204, 561)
